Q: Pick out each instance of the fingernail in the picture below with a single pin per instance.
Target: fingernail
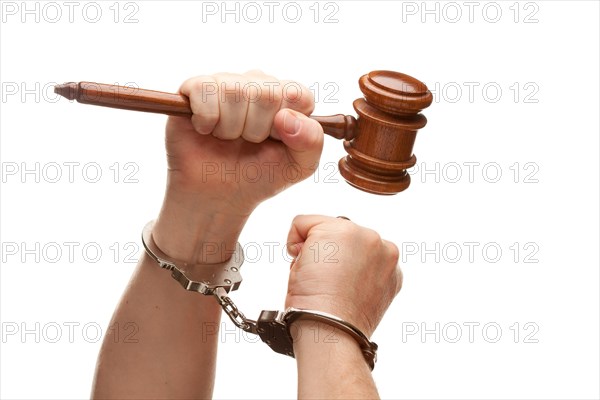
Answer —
(291, 123)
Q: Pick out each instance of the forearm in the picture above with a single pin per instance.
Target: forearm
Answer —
(330, 364)
(173, 353)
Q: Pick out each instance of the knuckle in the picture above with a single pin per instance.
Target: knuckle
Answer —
(217, 133)
(204, 124)
(393, 252)
(232, 86)
(272, 95)
(371, 238)
(292, 92)
(298, 219)
(399, 279)
(302, 98)
(306, 93)
(254, 72)
(252, 137)
(232, 89)
(188, 84)
(202, 84)
(197, 124)
(351, 231)
(265, 95)
(253, 92)
(209, 118)
(221, 132)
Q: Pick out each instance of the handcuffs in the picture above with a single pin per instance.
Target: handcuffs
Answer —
(273, 327)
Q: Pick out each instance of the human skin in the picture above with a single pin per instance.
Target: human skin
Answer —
(175, 352)
(227, 130)
(357, 282)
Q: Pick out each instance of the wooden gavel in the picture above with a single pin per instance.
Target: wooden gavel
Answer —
(379, 143)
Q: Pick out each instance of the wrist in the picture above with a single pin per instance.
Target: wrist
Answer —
(227, 197)
(196, 231)
(318, 342)
(326, 357)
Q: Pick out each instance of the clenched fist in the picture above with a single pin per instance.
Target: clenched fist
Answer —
(248, 139)
(342, 269)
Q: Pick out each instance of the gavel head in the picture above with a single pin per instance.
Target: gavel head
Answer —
(388, 121)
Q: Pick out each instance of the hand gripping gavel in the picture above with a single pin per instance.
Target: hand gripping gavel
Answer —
(379, 143)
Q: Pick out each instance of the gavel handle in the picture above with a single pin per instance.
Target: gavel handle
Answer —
(130, 98)
(339, 126)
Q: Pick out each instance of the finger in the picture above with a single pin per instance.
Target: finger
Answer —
(300, 229)
(203, 94)
(297, 97)
(293, 249)
(233, 106)
(391, 251)
(303, 138)
(264, 101)
(253, 73)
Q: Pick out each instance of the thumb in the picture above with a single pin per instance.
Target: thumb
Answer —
(303, 138)
(301, 230)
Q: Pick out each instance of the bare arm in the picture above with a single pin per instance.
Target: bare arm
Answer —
(356, 283)
(331, 365)
(205, 208)
(174, 350)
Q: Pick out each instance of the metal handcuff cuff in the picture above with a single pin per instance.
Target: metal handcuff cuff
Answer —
(273, 327)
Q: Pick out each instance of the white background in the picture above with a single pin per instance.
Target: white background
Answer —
(546, 283)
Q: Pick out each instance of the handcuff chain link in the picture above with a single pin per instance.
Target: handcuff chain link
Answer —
(237, 317)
